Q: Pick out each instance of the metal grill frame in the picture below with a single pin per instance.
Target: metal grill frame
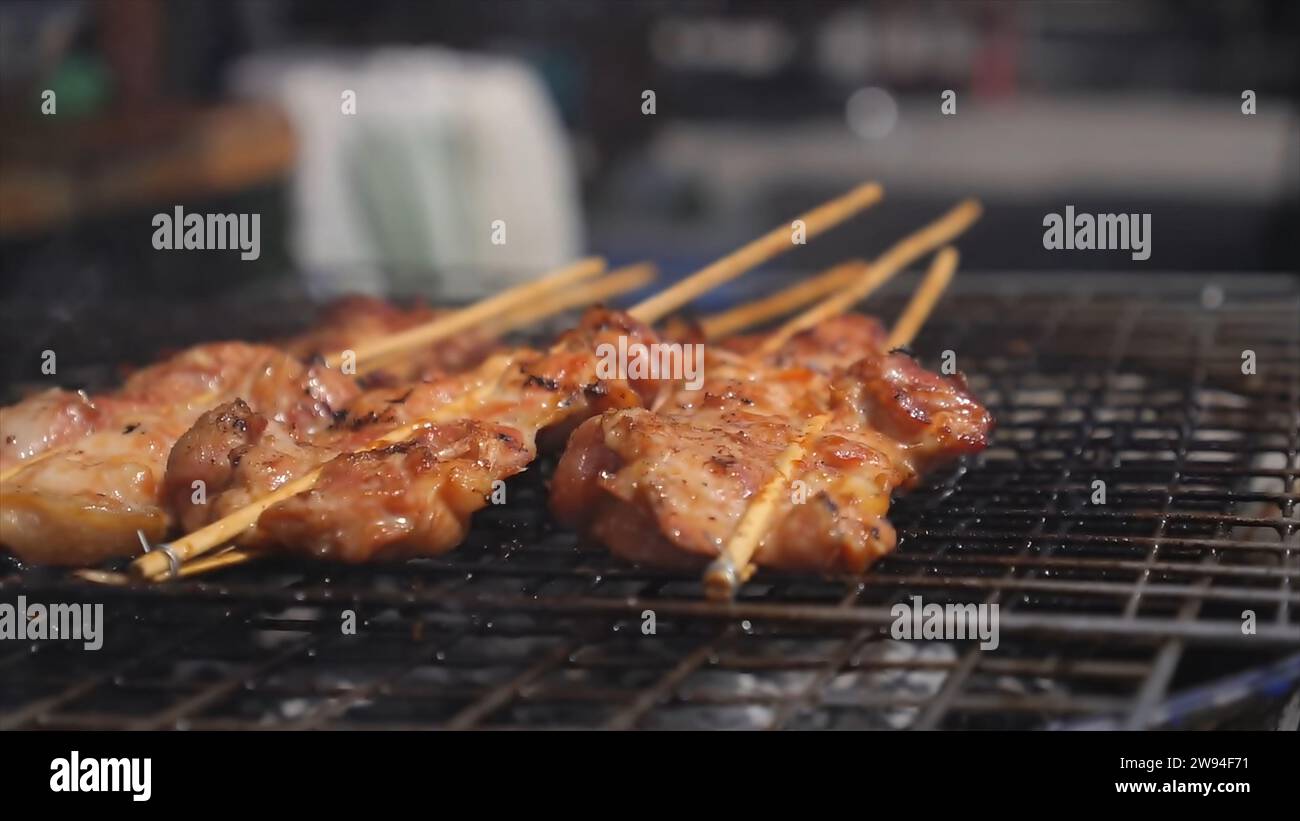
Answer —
(1106, 610)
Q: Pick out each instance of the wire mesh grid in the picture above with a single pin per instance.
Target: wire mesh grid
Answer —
(1107, 606)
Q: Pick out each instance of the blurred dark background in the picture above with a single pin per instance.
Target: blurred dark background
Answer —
(536, 112)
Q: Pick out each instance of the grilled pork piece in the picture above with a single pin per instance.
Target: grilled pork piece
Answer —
(671, 488)
(934, 417)
(43, 421)
(414, 498)
(55, 417)
(85, 503)
(544, 393)
(109, 453)
(196, 375)
(239, 455)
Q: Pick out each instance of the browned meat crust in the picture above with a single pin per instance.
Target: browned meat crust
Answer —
(415, 498)
(671, 488)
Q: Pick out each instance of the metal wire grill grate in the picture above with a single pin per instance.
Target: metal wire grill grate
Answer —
(1105, 609)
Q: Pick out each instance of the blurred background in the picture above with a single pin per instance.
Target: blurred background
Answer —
(380, 140)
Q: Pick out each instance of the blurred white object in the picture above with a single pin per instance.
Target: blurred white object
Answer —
(402, 195)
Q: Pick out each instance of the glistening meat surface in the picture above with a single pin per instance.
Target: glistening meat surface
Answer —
(90, 469)
(91, 500)
(671, 488)
(414, 498)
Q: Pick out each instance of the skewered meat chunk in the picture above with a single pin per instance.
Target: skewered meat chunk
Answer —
(934, 416)
(240, 455)
(43, 421)
(87, 502)
(53, 418)
(410, 499)
(790, 380)
(204, 374)
(104, 480)
(671, 488)
(668, 488)
(233, 454)
(425, 489)
(542, 392)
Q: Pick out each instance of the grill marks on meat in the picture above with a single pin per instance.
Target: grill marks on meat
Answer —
(671, 488)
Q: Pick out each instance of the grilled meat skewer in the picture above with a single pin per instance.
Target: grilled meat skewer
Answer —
(410, 498)
(89, 469)
(415, 498)
(191, 377)
(670, 488)
(570, 371)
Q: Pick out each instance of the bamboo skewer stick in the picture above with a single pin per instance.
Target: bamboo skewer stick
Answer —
(753, 313)
(97, 576)
(454, 323)
(625, 279)
(923, 301)
(733, 566)
(620, 281)
(195, 567)
(773, 243)
(899, 256)
(207, 564)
